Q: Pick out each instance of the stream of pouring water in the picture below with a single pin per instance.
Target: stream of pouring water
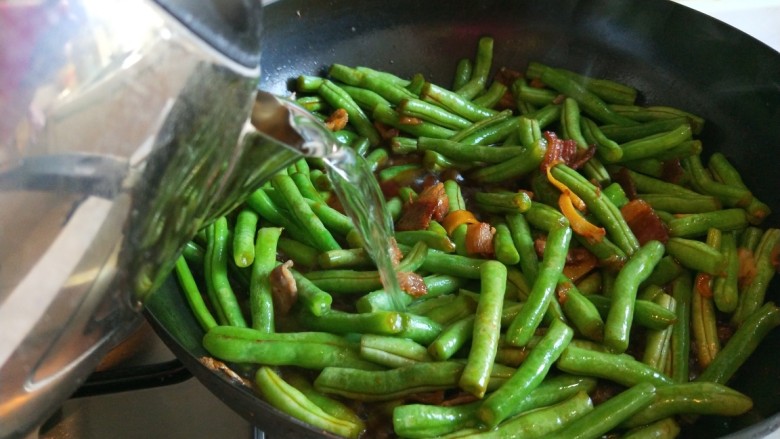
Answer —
(354, 184)
(364, 202)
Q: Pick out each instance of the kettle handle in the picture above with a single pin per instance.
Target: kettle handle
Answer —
(232, 27)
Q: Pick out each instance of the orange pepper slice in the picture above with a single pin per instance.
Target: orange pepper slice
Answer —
(456, 218)
(575, 199)
(578, 223)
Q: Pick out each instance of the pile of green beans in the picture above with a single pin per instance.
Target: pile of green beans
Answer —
(511, 341)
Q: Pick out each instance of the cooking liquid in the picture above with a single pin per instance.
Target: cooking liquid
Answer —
(363, 201)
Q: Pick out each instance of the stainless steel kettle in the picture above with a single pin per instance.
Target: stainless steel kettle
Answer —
(124, 127)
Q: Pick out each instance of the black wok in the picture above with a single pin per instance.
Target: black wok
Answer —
(673, 55)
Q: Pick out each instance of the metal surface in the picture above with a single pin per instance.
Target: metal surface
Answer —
(121, 134)
(674, 55)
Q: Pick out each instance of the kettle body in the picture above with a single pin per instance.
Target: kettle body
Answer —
(122, 132)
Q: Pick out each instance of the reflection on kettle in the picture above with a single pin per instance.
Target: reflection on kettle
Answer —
(125, 128)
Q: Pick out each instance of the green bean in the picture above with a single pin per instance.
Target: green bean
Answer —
(345, 137)
(377, 159)
(432, 239)
(657, 343)
(481, 125)
(392, 351)
(384, 75)
(502, 202)
(460, 306)
(423, 421)
(339, 322)
(303, 255)
(332, 219)
(491, 134)
(697, 224)
(682, 289)
(744, 341)
(302, 212)
(666, 428)
(650, 113)
(622, 133)
(683, 150)
(621, 313)
(750, 238)
(314, 300)
(730, 195)
(652, 167)
(455, 103)
(462, 73)
(402, 145)
(665, 271)
(486, 328)
(543, 290)
(193, 296)
(492, 96)
(310, 84)
(726, 173)
(223, 293)
(499, 405)
(419, 328)
(570, 123)
(536, 96)
(364, 97)
(620, 368)
(655, 144)
(513, 168)
(700, 398)
(725, 290)
(431, 113)
(386, 115)
(647, 185)
(646, 313)
(753, 293)
(244, 238)
(581, 312)
(193, 253)
(524, 243)
(311, 350)
(378, 82)
(615, 194)
(589, 102)
(465, 152)
(697, 255)
(383, 385)
(347, 258)
(338, 98)
(606, 148)
(528, 131)
(291, 401)
(438, 163)
(328, 405)
(452, 338)
(437, 285)
(305, 186)
(504, 246)
(482, 63)
(546, 115)
(345, 281)
(312, 103)
(541, 422)
(261, 307)
(610, 91)
(604, 211)
(678, 203)
(608, 414)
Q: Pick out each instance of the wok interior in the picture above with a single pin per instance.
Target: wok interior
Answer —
(673, 55)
